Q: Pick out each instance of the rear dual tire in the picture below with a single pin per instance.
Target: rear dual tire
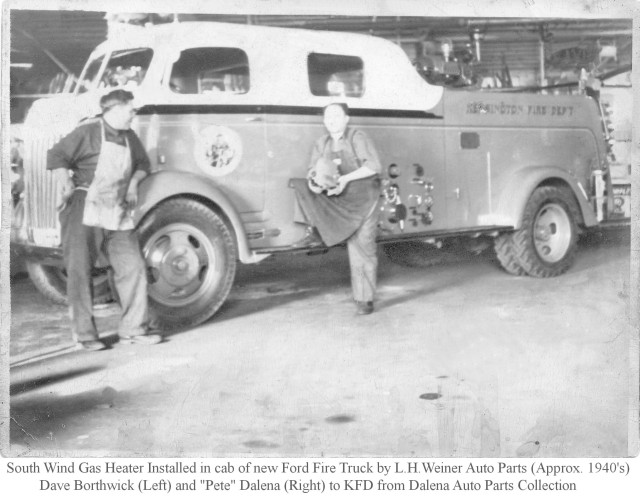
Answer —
(546, 243)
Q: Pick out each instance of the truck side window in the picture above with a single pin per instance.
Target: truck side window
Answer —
(210, 70)
(335, 75)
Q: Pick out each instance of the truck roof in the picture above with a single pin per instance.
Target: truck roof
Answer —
(278, 57)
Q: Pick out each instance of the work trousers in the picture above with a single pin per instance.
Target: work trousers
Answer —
(363, 258)
(81, 247)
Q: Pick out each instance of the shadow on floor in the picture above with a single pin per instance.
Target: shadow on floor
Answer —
(39, 422)
(27, 383)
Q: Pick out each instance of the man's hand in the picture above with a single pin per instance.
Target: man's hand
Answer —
(314, 187)
(131, 199)
(342, 183)
(65, 185)
(66, 190)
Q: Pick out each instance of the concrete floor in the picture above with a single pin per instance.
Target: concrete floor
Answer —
(458, 360)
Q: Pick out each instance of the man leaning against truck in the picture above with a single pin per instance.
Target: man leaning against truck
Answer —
(98, 167)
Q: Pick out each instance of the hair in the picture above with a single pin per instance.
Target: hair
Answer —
(342, 105)
(116, 97)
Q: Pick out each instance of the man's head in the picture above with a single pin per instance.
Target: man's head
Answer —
(117, 109)
(336, 117)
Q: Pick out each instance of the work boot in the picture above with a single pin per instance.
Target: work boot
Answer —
(311, 239)
(364, 307)
(141, 339)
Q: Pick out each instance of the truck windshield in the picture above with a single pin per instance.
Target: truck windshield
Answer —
(125, 68)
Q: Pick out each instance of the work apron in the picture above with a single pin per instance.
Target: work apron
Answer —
(338, 217)
(105, 202)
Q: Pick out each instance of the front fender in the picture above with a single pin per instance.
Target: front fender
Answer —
(515, 192)
(163, 185)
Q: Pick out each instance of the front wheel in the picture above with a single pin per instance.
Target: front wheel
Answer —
(190, 254)
(546, 244)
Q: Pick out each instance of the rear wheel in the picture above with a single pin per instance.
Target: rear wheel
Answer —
(505, 252)
(546, 244)
(190, 254)
(51, 281)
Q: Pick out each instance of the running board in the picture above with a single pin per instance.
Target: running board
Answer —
(492, 231)
(611, 224)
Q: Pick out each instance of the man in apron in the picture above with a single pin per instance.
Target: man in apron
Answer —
(345, 209)
(98, 167)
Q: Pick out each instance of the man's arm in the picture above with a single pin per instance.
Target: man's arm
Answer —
(315, 156)
(141, 168)
(65, 184)
(369, 163)
(366, 152)
(60, 158)
(65, 152)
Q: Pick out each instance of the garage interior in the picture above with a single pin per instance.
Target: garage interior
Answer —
(461, 360)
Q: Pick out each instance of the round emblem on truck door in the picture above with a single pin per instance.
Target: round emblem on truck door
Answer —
(218, 150)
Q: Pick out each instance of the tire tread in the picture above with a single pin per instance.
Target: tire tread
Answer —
(504, 250)
(522, 240)
(193, 209)
(53, 287)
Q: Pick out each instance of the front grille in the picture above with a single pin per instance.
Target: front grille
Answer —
(47, 121)
(41, 192)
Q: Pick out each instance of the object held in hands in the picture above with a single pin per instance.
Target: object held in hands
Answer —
(324, 175)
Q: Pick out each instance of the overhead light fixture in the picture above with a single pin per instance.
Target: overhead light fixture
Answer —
(21, 65)
(477, 35)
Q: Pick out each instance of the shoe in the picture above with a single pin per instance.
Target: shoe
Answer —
(141, 339)
(92, 345)
(364, 307)
(311, 239)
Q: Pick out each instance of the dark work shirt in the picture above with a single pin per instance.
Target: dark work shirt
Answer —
(356, 148)
(79, 150)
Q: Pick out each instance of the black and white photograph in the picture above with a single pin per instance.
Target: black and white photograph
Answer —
(333, 232)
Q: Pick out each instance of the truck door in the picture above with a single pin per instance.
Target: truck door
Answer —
(468, 173)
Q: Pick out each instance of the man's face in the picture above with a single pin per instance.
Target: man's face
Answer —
(121, 115)
(335, 120)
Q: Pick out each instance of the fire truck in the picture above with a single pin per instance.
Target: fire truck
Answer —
(229, 114)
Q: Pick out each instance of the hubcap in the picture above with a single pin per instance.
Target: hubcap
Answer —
(182, 264)
(552, 233)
